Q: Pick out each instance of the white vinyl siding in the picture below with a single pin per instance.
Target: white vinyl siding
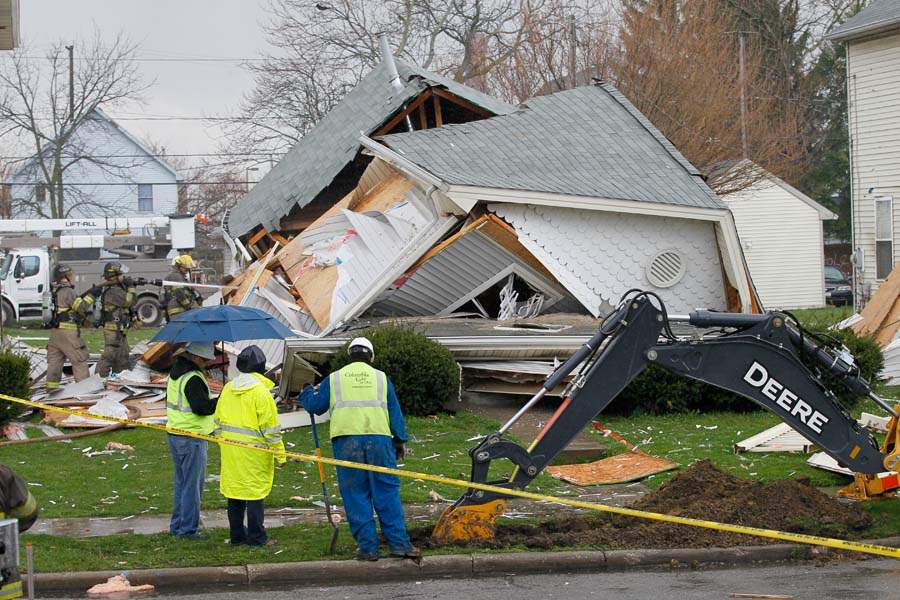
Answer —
(782, 240)
(874, 118)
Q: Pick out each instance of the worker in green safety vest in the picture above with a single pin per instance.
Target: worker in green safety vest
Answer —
(16, 502)
(189, 408)
(367, 426)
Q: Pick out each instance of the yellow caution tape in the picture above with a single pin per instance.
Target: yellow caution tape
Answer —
(785, 536)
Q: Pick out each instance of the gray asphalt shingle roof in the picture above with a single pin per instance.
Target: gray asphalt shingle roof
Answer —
(878, 16)
(313, 163)
(589, 141)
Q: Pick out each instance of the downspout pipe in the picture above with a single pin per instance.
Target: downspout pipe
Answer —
(388, 56)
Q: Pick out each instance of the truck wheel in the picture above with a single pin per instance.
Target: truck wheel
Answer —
(9, 315)
(149, 311)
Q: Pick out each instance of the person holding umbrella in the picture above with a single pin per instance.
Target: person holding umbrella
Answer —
(246, 413)
(189, 408)
(367, 426)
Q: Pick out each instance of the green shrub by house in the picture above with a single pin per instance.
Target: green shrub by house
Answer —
(656, 391)
(14, 381)
(424, 373)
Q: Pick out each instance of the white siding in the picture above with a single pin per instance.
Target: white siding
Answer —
(782, 240)
(874, 89)
(597, 256)
(121, 165)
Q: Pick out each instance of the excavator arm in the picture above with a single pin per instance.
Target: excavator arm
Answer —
(760, 357)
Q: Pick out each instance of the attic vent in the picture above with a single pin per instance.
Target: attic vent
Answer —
(666, 269)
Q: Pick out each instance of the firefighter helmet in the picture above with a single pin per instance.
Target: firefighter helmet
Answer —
(62, 271)
(113, 269)
(183, 261)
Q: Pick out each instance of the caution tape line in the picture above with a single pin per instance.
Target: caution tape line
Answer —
(785, 536)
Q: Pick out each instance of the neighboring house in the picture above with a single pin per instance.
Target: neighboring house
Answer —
(872, 40)
(9, 24)
(118, 176)
(781, 233)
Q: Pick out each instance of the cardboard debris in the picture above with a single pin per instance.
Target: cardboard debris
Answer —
(622, 468)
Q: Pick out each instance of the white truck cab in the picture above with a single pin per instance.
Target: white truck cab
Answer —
(24, 277)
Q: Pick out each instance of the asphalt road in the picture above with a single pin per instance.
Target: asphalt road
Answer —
(842, 580)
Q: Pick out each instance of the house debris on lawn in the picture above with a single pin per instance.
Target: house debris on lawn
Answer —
(505, 232)
(880, 318)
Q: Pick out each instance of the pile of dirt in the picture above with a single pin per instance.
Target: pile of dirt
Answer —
(704, 492)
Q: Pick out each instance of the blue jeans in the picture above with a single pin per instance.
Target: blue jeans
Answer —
(363, 490)
(189, 458)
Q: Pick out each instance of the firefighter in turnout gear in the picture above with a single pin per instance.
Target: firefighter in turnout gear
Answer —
(367, 426)
(116, 300)
(65, 336)
(16, 502)
(179, 299)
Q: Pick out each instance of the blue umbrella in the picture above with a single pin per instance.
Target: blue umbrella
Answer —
(222, 323)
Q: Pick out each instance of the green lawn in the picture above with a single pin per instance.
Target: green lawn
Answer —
(69, 483)
(93, 338)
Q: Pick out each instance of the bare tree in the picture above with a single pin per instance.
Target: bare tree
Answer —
(40, 109)
(324, 48)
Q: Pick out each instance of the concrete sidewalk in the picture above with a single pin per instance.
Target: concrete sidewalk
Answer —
(614, 495)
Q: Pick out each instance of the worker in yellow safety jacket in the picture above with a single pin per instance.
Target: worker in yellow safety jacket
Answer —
(189, 408)
(246, 413)
(16, 502)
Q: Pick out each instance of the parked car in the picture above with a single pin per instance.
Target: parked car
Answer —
(838, 290)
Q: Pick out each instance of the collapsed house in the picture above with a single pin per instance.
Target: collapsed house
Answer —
(503, 214)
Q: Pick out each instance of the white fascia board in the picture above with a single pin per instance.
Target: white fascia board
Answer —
(468, 196)
(402, 164)
(733, 260)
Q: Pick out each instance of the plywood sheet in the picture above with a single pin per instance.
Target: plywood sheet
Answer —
(876, 315)
(623, 468)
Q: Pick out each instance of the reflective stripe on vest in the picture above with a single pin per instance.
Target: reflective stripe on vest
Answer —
(178, 410)
(262, 438)
(27, 509)
(359, 401)
(12, 589)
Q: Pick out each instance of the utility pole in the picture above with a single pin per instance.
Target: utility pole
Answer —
(71, 50)
(743, 84)
(573, 47)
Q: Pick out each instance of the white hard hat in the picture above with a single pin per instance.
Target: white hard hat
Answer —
(203, 350)
(362, 342)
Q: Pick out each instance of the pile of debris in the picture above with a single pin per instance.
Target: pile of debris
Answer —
(702, 491)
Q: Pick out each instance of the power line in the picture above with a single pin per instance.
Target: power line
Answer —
(166, 155)
(125, 184)
(148, 59)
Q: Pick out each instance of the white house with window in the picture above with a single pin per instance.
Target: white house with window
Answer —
(872, 46)
(109, 173)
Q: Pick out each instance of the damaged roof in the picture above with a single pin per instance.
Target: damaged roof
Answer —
(313, 163)
(589, 141)
(879, 16)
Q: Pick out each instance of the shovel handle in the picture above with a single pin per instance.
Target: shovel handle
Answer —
(320, 466)
(315, 432)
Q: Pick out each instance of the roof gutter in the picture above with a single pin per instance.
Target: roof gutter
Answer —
(864, 31)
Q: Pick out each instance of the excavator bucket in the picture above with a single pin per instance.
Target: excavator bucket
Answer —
(468, 522)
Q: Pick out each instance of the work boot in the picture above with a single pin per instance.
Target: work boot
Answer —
(412, 553)
(366, 556)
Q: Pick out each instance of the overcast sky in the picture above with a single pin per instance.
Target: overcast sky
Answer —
(173, 29)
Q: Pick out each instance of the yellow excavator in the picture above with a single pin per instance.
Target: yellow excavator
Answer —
(768, 358)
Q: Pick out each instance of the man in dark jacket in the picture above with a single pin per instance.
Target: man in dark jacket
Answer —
(189, 408)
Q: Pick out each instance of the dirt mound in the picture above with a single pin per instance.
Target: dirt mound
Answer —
(702, 491)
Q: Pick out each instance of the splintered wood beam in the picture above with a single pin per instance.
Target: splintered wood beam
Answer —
(387, 127)
(423, 118)
(279, 238)
(438, 117)
(461, 102)
(260, 234)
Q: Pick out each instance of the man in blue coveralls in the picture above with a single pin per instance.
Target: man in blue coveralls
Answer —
(367, 426)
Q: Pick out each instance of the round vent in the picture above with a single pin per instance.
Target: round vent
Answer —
(666, 269)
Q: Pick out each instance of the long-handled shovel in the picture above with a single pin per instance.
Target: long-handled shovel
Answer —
(328, 511)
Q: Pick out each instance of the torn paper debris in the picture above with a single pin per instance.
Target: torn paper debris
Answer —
(117, 585)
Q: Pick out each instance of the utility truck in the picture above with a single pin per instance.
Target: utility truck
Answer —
(31, 248)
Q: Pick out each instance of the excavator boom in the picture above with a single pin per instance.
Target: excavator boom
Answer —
(760, 357)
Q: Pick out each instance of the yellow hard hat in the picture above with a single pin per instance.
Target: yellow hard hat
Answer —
(183, 260)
